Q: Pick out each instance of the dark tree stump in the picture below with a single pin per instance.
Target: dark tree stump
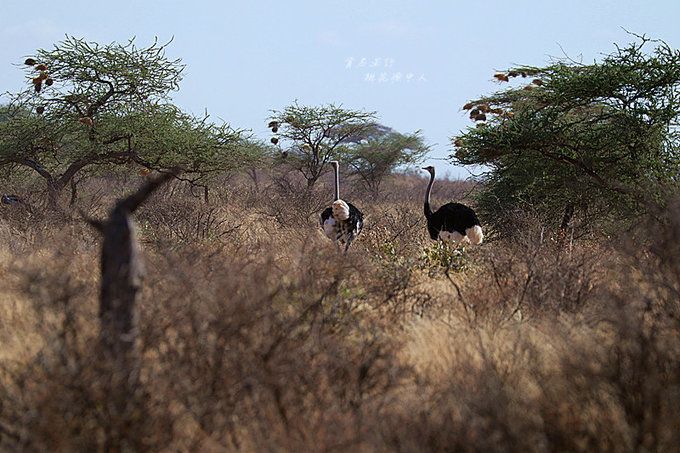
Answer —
(118, 348)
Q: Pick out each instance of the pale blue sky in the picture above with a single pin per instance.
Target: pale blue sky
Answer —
(421, 62)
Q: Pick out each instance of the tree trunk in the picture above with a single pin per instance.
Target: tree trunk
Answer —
(56, 185)
(566, 222)
(54, 189)
(566, 219)
(74, 193)
(253, 176)
(118, 348)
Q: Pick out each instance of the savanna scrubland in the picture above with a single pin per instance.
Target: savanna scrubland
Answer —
(255, 335)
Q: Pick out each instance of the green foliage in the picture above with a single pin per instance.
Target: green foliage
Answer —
(382, 151)
(599, 139)
(444, 257)
(380, 245)
(93, 107)
(146, 232)
(317, 135)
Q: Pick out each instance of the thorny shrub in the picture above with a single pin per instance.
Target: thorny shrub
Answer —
(445, 257)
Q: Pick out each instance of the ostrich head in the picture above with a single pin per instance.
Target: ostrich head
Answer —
(430, 169)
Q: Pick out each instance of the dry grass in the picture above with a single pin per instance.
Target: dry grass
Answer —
(256, 336)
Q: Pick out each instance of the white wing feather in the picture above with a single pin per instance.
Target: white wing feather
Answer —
(329, 228)
(475, 234)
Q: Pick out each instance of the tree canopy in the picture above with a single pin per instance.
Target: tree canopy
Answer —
(381, 151)
(91, 106)
(598, 140)
(317, 135)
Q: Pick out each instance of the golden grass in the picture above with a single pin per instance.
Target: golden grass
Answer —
(257, 336)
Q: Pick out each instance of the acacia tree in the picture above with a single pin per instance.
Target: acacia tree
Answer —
(90, 107)
(316, 135)
(598, 141)
(380, 152)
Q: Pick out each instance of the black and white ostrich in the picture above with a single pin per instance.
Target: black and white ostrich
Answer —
(453, 222)
(341, 222)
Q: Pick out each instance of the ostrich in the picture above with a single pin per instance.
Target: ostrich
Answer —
(453, 222)
(342, 221)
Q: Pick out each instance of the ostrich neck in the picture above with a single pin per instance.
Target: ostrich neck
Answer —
(337, 184)
(428, 210)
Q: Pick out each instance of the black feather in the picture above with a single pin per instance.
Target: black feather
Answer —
(451, 217)
(346, 230)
